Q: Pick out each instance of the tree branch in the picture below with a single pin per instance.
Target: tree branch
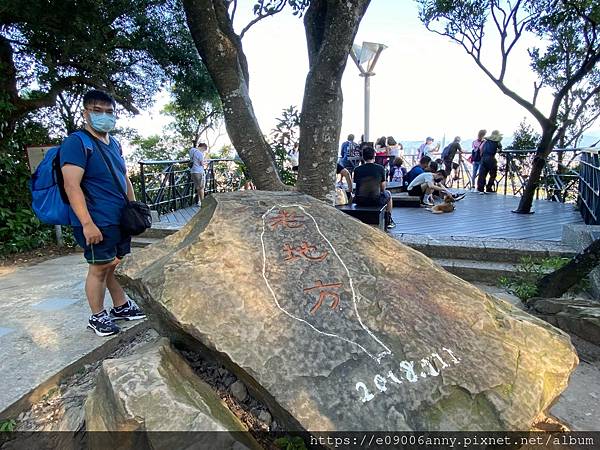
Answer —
(263, 15)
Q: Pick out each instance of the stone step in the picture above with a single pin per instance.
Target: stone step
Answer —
(488, 272)
(496, 250)
(142, 241)
(158, 231)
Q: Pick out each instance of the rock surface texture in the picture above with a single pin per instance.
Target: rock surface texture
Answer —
(336, 326)
(156, 390)
(577, 316)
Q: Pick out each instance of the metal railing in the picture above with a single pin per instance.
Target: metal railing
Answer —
(167, 185)
(589, 186)
(570, 175)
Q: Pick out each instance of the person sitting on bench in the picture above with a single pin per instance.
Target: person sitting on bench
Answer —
(344, 175)
(370, 186)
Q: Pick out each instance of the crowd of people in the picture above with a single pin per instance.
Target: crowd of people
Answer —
(370, 167)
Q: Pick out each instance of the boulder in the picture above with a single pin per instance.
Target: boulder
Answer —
(336, 326)
(156, 390)
(575, 315)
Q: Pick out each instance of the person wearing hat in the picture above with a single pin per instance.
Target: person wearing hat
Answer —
(489, 164)
(427, 148)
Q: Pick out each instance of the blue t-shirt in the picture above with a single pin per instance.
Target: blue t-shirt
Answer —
(104, 200)
(413, 173)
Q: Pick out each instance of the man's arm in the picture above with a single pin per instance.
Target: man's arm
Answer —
(72, 176)
(130, 192)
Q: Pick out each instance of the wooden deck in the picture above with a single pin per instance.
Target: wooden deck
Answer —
(489, 215)
(477, 216)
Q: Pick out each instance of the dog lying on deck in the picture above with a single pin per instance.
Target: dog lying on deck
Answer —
(446, 207)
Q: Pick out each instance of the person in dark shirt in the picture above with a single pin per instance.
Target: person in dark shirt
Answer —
(370, 186)
(417, 170)
(489, 164)
(448, 157)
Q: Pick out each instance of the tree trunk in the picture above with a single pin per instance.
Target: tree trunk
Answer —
(221, 51)
(331, 27)
(557, 283)
(543, 150)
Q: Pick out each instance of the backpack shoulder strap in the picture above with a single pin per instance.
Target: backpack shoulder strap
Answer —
(86, 140)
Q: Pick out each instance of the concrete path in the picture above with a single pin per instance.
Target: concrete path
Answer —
(43, 318)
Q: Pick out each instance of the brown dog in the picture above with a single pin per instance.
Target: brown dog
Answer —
(446, 207)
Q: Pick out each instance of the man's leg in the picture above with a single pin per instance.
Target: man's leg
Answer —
(491, 185)
(483, 171)
(114, 288)
(476, 166)
(95, 285)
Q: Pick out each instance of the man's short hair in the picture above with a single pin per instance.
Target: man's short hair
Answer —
(433, 166)
(429, 138)
(368, 153)
(97, 96)
(202, 144)
(425, 160)
(350, 137)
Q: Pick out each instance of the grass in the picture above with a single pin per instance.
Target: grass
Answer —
(8, 425)
(529, 272)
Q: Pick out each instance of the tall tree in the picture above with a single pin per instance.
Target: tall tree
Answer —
(331, 26)
(570, 31)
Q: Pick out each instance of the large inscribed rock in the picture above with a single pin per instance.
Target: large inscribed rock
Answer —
(337, 326)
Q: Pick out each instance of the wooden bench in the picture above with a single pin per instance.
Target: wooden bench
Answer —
(372, 215)
(403, 200)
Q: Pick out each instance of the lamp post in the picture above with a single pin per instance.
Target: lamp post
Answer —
(365, 57)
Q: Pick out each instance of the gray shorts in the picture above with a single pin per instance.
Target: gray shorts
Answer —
(199, 180)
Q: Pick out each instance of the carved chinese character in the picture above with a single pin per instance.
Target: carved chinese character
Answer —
(286, 219)
(325, 290)
(304, 250)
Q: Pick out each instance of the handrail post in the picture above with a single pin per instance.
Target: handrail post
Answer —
(143, 181)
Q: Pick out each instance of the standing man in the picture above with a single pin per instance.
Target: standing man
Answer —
(489, 164)
(448, 157)
(96, 205)
(370, 186)
(349, 149)
(197, 170)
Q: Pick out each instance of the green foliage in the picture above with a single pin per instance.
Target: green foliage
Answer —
(195, 109)
(529, 273)
(284, 137)
(290, 443)
(20, 230)
(525, 137)
(127, 47)
(8, 425)
(565, 53)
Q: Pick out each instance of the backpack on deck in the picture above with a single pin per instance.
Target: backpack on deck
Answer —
(49, 199)
(446, 151)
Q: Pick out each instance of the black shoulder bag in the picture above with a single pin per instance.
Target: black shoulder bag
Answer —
(135, 217)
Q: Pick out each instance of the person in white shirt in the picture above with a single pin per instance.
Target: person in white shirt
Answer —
(197, 169)
(426, 183)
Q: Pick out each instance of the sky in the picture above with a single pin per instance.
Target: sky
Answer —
(425, 85)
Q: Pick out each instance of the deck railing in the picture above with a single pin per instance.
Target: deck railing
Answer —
(167, 185)
(570, 175)
(589, 186)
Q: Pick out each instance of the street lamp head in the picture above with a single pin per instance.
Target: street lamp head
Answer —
(365, 56)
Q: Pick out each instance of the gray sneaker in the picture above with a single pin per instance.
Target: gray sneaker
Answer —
(103, 325)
